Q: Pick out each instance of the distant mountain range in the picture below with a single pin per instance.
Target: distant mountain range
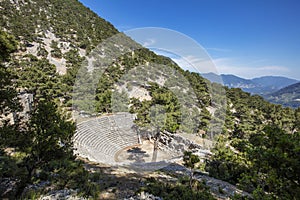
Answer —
(288, 96)
(263, 85)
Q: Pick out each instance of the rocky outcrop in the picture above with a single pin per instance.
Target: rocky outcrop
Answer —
(220, 189)
(144, 196)
(62, 195)
(174, 143)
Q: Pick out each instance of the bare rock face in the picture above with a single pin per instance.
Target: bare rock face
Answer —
(62, 194)
(144, 196)
(174, 142)
(26, 100)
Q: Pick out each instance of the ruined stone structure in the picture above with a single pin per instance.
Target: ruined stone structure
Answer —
(99, 139)
(102, 139)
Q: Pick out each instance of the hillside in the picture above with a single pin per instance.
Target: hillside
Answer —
(288, 96)
(50, 46)
(54, 30)
(262, 85)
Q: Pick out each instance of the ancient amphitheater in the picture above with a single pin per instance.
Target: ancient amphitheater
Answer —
(115, 140)
(100, 139)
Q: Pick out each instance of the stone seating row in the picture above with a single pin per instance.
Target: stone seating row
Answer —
(101, 138)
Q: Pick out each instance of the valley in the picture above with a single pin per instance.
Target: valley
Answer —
(272, 88)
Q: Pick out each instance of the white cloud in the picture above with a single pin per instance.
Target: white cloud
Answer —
(195, 64)
(273, 68)
(229, 66)
(192, 63)
(149, 42)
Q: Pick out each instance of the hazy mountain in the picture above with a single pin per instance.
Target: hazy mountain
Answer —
(233, 81)
(288, 96)
(262, 85)
(274, 81)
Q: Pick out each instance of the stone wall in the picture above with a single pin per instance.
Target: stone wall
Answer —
(174, 142)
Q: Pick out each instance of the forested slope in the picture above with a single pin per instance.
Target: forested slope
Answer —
(43, 45)
(288, 96)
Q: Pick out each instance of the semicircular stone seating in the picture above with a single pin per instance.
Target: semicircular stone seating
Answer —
(99, 139)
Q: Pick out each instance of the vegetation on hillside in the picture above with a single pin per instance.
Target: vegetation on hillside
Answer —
(36, 75)
(170, 107)
(257, 147)
(68, 19)
(180, 190)
(288, 96)
(39, 151)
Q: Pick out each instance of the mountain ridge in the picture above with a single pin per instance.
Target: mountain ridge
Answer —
(287, 96)
(260, 85)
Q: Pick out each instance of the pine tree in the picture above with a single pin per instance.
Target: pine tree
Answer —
(190, 160)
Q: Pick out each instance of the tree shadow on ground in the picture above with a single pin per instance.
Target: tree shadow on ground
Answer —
(137, 154)
(116, 182)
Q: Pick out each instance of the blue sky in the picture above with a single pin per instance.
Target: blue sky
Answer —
(248, 38)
